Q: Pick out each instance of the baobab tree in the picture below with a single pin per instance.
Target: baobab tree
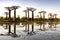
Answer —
(6, 14)
(9, 9)
(40, 14)
(43, 14)
(14, 8)
(55, 15)
(28, 12)
(32, 10)
(50, 15)
(25, 12)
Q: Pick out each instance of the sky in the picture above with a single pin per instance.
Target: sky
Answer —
(50, 6)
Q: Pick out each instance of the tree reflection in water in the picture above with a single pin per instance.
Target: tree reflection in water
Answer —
(28, 31)
(9, 30)
(53, 25)
(31, 31)
(43, 28)
(28, 28)
(13, 34)
(25, 25)
(5, 26)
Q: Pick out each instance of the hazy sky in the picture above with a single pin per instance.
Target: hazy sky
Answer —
(50, 6)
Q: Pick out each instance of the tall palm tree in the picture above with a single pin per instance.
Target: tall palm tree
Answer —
(25, 12)
(32, 10)
(6, 14)
(14, 8)
(9, 9)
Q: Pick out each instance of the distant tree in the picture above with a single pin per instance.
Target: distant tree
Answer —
(43, 14)
(40, 14)
(25, 12)
(50, 15)
(55, 15)
(6, 14)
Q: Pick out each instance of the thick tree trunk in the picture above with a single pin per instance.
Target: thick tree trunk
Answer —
(9, 15)
(32, 16)
(14, 14)
(28, 14)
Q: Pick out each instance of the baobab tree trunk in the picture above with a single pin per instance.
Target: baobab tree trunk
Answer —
(40, 15)
(9, 15)
(55, 17)
(6, 16)
(43, 15)
(28, 14)
(14, 14)
(32, 16)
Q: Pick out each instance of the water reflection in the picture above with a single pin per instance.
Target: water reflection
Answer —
(52, 25)
(13, 34)
(43, 28)
(6, 27)
(28, 27)
(9, 30)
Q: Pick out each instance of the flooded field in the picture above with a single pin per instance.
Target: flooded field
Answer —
(30, 31)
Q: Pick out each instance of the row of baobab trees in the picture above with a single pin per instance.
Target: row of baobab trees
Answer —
(27, 12)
